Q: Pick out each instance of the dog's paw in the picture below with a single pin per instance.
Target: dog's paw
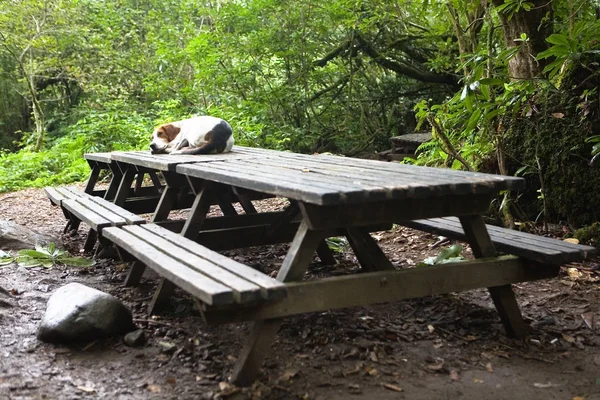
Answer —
(176, 152)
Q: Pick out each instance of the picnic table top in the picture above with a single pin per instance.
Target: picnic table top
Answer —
(412, 138)
(322, 179)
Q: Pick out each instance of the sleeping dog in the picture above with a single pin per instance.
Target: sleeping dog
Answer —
(197, 135)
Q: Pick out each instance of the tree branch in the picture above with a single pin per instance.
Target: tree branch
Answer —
(403, 69)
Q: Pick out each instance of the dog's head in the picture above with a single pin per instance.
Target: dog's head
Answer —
(162, 138)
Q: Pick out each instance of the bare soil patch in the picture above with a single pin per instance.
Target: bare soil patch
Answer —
(442, 347)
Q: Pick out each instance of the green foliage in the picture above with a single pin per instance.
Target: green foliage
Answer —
(335, 76)
(6, 258)
(567, 51)
(589, 234)
(448, 255)
(337, 244)
(44, 257)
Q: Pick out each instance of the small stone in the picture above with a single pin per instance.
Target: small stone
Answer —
(135, 338)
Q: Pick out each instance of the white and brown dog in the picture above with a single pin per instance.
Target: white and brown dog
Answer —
(197, 135)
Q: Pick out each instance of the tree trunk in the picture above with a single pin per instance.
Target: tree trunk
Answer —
(537, 25)
(38, 114)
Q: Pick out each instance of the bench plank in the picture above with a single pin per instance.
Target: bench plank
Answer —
(273, 288)
(244, 291)
(96, 221)
(533, 247)
(129, 217)
(199, 285)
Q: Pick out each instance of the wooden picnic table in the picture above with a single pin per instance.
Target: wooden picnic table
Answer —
(328, 196)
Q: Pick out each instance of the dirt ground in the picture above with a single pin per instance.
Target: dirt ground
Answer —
(442, 347)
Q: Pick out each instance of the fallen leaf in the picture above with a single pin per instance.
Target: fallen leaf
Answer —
(431, 328)
(353, 371)
(288, 375)
(171, 381)
(489, 367)
(305, 170)
(578, 398)
(574, 273)
(558, 115)
(545, 385)
(572, 240)
(373, 357)
(477, 380)
(154, 388)
(437, 366)
(588, 318)
(454, 375)
(568, 338)
(392, 387)
(86, 389)
(371, 371)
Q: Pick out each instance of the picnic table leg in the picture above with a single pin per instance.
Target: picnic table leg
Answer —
(367, 251)
(168, 197)
(502, 296)
(190, 230)
(201, 206)
(124, 186)
(245, 202)
(89, 188)
(263, 332)
(290, 212)
(113, 186)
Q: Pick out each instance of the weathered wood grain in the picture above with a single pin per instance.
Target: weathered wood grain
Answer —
(199, 285)
(385, 286)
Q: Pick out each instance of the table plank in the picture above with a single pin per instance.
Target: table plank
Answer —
(168, 162)
(338, 180)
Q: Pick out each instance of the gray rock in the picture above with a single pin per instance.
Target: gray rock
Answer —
(17, 237)
(135, 338)
(78, 313)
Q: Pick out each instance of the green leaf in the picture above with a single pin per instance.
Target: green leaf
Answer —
(492, 81)
(28, 262)
(449, 252)
(557, 38)
(34, 254)
(75, 261)
(474, 119)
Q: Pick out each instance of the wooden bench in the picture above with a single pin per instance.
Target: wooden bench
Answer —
(205, 274)
(529, 246)
(94, 211)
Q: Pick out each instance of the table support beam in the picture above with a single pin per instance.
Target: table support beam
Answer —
(367, 251)
(263, 332)
(502, 296)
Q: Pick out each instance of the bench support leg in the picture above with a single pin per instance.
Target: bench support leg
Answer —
(367, 251)
(294, 266)
(134, 276)
(90, 241)
(163, 292)
(502, 296)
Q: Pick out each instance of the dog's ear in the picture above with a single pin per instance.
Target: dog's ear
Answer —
(171, 131)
